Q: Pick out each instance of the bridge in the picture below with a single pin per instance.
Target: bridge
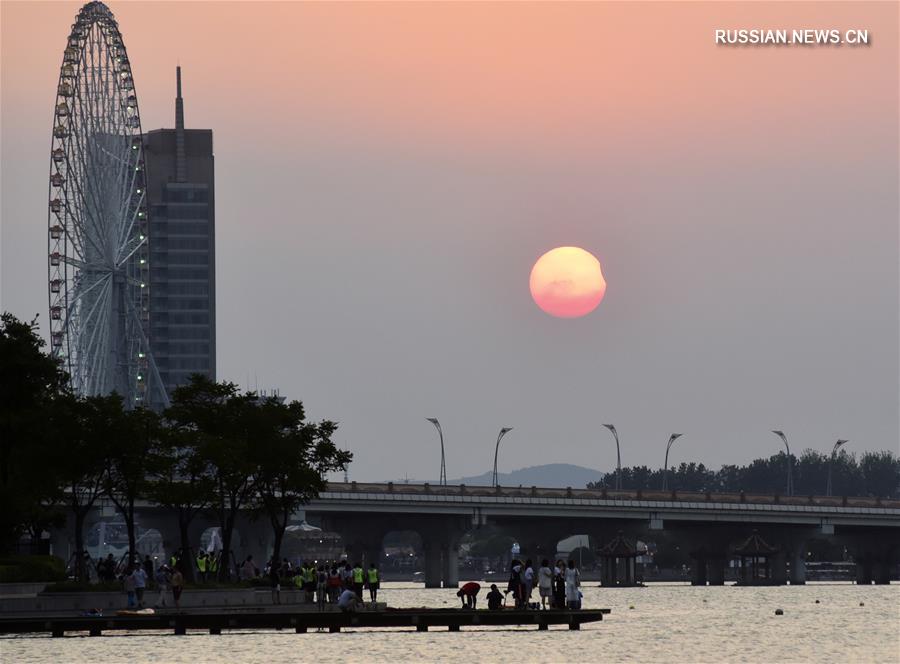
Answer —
(708, 525)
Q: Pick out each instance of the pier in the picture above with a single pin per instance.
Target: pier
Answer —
(301, 622)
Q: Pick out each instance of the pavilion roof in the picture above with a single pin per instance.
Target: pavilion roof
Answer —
(619, 547)
(755, 546)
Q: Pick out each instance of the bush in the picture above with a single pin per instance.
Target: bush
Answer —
(28, 569)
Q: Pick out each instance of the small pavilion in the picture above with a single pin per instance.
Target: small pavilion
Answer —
(756, 561)
(618, 564)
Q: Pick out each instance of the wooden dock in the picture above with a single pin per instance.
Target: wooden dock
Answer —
(214, 623)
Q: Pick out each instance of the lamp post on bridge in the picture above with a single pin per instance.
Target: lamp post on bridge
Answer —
(618, 457)
(790, 469)
(834, 450)
(672, 439)
(503, 432)
(437, 425)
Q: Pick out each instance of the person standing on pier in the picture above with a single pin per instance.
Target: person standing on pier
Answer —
(148, 569)
(275, 579)
(177, 581)
(347, 576)
(573, 585)
(516, 585)
(162, 580)
(201, 566)
(358, 579)
(545, 583)
(140, 584)
(321, 586)
(334, 584)
(528, 581)
(559, 585)
(128, 583)
(372, 580)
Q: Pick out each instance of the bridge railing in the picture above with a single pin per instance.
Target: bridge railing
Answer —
(609, 494)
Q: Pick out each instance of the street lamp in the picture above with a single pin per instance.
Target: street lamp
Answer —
(618, 457)
(503, 432)
(437, 425)
(790, 470)
(672, 439)
(834, 450)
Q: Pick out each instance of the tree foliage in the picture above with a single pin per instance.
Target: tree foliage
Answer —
(874, 474)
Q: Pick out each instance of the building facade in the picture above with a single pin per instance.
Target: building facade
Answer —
(181, 191)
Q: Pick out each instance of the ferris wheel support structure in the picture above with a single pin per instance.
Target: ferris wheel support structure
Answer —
(98, 263)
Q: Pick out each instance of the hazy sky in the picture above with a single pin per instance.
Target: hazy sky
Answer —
(387, 174)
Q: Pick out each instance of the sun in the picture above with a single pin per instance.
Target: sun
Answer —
(567, 282)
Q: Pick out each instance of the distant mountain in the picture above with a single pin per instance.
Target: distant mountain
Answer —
(548, 475)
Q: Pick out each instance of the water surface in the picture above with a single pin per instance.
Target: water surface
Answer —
(669, 623)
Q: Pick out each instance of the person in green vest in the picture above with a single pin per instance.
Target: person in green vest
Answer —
(299, 578)
(212, 565)
(309, 580)
(201, 566)
(358, 580)
(372, 581)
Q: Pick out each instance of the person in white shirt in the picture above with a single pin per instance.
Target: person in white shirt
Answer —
(573, 583)
(528, 578)
(545, 583)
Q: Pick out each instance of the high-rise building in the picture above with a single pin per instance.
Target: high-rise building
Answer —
(182, 233)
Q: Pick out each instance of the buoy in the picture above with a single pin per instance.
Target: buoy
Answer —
(779, 612)
(631, 607)
(817, 601)
(862, 603)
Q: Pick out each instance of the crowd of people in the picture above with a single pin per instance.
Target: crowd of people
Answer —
(559, 587)
(336, 583)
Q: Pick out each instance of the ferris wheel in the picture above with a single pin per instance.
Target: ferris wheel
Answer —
(98, 232)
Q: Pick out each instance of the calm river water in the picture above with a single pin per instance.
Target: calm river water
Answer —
(668, 623)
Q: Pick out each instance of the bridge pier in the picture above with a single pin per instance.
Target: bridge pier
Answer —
(450, 565)
(874, 557)
(433, 567)
(881, 572)
(864, 571)
(798, 567)
(715, 570)
(778, 568)
(698, 573)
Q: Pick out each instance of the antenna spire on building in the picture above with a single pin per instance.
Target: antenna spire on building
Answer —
(180, 159)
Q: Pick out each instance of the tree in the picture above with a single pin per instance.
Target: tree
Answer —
(79, 458)
(129, 438)
(180, 481)
(291, 458)
(215, 414)
(31, 382)
(881, 473)
(693, 477)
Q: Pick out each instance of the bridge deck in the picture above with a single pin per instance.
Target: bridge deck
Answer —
(462, 491)
(214, 623)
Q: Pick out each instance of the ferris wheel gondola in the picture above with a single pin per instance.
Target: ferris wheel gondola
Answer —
(98, 219)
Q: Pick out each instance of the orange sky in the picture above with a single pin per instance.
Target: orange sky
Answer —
(397, 168)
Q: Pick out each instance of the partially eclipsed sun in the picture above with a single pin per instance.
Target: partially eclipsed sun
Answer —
(567, 282)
